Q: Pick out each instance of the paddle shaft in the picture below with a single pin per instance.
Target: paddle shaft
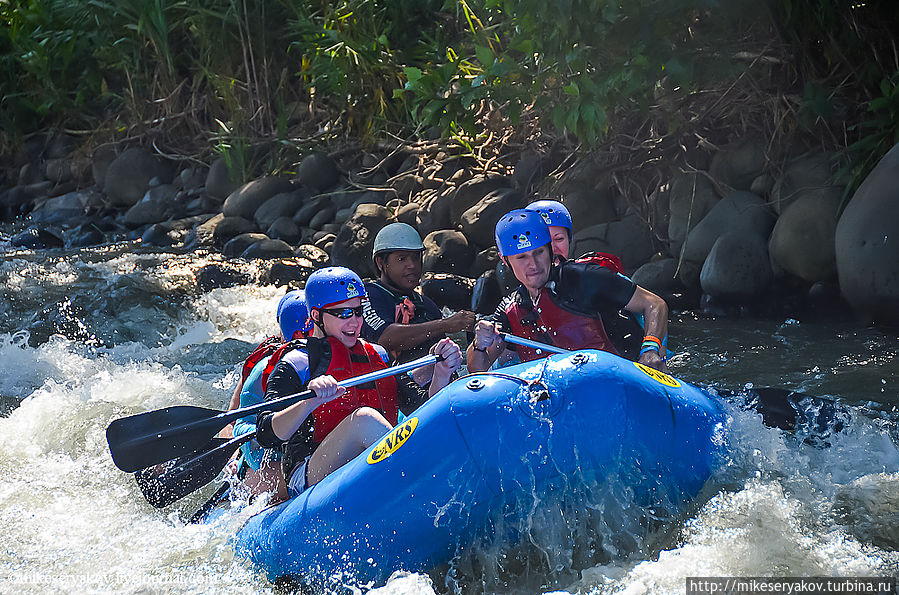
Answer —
(532, 344)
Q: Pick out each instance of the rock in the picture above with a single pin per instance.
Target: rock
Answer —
(434, 210)
(324, 216)
(267, 249)
(739, 211)
(737, 266)
(528, 171)
(220, 180)
(161, 235)
(479, 221)
(658, 276)
(408, 214)
(690, 198)
(85, 235)
(739, 163)
(226, 228)
(486, 295)
(129, 175)
(318, 257)
(505, 278)
(283, 228)
(588, 206)
(473, 191)
(451, 291)
(324, 240)
(629, 239)
(244, 201)
(867, 243)
(811, 172)
(283, 204)
(353, 244)
(288, 271)
(213, 276)
(103, 156)
(30, 173)
(318, 172)
(309, 209)
(802, 243)
(157, 205)
(236, 246)
(485, 260)
(59, 170)
(37, 238)
(447, 251)
(192, 178)
(66, 208)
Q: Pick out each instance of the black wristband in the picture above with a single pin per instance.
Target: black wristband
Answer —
(476, 348)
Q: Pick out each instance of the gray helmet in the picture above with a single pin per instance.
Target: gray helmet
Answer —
(397, 236)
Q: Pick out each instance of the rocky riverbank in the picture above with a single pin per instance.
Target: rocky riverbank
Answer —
(736, 235)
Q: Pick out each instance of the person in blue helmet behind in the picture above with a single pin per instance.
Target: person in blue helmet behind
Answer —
(259, 469)
(560, 304)
(558, 221)
(323, 432)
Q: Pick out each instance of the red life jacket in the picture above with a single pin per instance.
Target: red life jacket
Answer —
(346, 363)
(603, 259)
(263, 350)
(548, 323)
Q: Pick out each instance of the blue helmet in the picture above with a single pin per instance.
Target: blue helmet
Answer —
(553, 212)
(519, 231)
(293, 314)
(331, 285)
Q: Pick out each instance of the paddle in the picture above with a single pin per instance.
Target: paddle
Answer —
(780, 408)
(150, 438)
(164, 484)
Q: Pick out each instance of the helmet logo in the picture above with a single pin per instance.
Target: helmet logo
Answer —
(523, 242)
(351, 291)
(545, 217)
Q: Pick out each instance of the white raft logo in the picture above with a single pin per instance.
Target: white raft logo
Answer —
(523, 242)
(351, 291)
(545, 217)
(392, 441)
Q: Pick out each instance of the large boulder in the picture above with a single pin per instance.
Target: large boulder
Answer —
(802, 243)
(739, 211)
(479, 221)
(353, 245)
(244, 201)
(739, 163)
(435, 210)
(809, 173)
(128, 176)
(450, 291)
(628, 239)
(221, 180)
(658, 276)
(473, 191)
(283, 204)
(737, 267)
(157, 205)
(317, 172)
(867, 243)
(447, 251)
(690, 198)
(63, 209)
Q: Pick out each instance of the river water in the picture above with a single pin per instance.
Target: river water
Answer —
(91, 335)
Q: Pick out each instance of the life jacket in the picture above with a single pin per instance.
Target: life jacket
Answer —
(548, 323)
(347, 363)
(343, 363)
(604, 259)
(263, 350)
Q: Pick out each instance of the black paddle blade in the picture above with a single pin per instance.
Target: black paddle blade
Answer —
(167, 483)
(150, 438)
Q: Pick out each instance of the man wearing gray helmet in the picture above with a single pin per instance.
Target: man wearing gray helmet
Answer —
(396, 315)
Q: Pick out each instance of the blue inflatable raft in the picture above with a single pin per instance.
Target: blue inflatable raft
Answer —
(436, 481)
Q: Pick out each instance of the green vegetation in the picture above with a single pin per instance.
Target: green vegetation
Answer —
(233, 76)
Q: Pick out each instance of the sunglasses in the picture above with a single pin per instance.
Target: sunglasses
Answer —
(343, 313)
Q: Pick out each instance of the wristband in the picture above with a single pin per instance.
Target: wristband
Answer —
(652, 339)
(647, 349)
(476, 348)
